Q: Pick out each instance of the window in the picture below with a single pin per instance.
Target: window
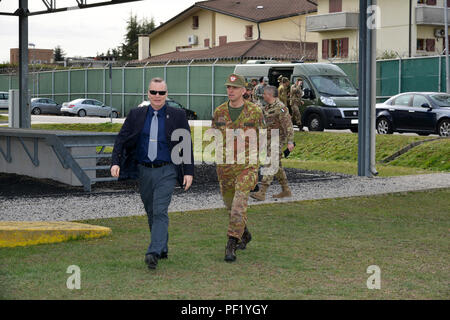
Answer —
(418, 101)
(335, 6)
(335, 48)
(420, 44)
(195, 22)
(222, 40)
(206, 43)
(427, 2)
(402, 100)
(248, 32)
(431, 45)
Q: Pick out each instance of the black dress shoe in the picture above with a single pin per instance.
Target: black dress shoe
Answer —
(151, 260)
(163, 255)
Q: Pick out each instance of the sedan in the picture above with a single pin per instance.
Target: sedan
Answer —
(44, 105)
(421, 112)
(88, 107)
(190, 115)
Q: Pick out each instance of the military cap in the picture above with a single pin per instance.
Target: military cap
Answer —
(235, 80)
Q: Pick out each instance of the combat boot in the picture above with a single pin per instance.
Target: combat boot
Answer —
(286, 192)
(261, 194)
(230, 249)
(246, 238)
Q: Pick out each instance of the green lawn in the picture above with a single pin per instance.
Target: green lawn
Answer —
(302, 250)
(335, 152)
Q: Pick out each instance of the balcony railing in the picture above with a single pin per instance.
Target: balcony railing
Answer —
(332, 21)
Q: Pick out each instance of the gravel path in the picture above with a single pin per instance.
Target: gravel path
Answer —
(205, 194)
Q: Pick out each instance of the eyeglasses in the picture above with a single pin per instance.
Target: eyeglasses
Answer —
(154, 92)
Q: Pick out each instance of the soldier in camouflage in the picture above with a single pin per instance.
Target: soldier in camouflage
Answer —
(283, 91)
(276, 116)
(258, 98)
(297, 102)
(237, 180)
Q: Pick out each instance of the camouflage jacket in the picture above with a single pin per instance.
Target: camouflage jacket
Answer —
(296, 94)
(277, 116)
(283, 94)
(249, 122)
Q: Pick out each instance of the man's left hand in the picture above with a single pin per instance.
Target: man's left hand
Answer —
(187, 182)
(290, 147)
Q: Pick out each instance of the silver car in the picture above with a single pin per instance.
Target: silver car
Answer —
(44, 105)
(88, 107)
(4, 100)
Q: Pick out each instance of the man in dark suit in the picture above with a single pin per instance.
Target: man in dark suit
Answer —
(144, 149)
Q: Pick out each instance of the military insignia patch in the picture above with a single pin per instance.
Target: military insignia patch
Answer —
(232, 78)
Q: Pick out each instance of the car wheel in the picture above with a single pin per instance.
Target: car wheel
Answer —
(82, 113)
(444, 128)
(36, 111)
(384, 126)
(115, 114)
(315, 122)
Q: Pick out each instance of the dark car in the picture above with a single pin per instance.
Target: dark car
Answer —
(44, 105)
(421, 112)
(190, 115)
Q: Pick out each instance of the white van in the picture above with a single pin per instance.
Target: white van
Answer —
(4, 100)
(330, 99)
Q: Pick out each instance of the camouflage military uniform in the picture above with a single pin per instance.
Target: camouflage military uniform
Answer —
(282, 94)
(296, 102)
(258, 96)
(276, 116)
(237, 180)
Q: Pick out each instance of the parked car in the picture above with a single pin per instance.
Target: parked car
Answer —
(4, 100)
(88, 107)
(190, 115)
(421, 112)
(44, 105)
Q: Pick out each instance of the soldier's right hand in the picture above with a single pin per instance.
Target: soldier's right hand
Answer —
(115, 170)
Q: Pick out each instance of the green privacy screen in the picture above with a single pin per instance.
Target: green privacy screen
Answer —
(201, 87)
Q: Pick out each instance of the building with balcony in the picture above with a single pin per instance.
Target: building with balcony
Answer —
(406, 28)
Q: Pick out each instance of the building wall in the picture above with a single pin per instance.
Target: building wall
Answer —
(288, 29)
(233, 28)
(213, 25)
(177, 35)
(34, 56)
(393, 34)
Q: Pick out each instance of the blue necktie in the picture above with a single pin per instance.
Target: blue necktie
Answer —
(153, 143)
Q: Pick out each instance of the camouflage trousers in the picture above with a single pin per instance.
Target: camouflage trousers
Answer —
(236, 182)
(296, 116)
(280, 175)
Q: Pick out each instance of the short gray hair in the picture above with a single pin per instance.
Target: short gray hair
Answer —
(272, 90)
(157, 80)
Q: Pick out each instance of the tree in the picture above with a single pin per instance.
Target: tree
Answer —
(58, 54)
(129, 49)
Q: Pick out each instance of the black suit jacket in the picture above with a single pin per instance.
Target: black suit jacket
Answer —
(125, 153)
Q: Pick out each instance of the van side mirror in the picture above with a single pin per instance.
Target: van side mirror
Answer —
(308, 94)
(425, 105)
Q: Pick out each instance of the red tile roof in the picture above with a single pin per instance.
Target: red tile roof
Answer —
(253, 49)
(259, 10)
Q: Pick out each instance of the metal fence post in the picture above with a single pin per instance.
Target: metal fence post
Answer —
(213, 86)
(188, 84)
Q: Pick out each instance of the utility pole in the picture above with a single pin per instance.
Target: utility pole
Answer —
(367, 87)
(24, 99)
(447, 67)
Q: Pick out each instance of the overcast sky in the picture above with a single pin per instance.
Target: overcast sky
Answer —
(81, 32)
